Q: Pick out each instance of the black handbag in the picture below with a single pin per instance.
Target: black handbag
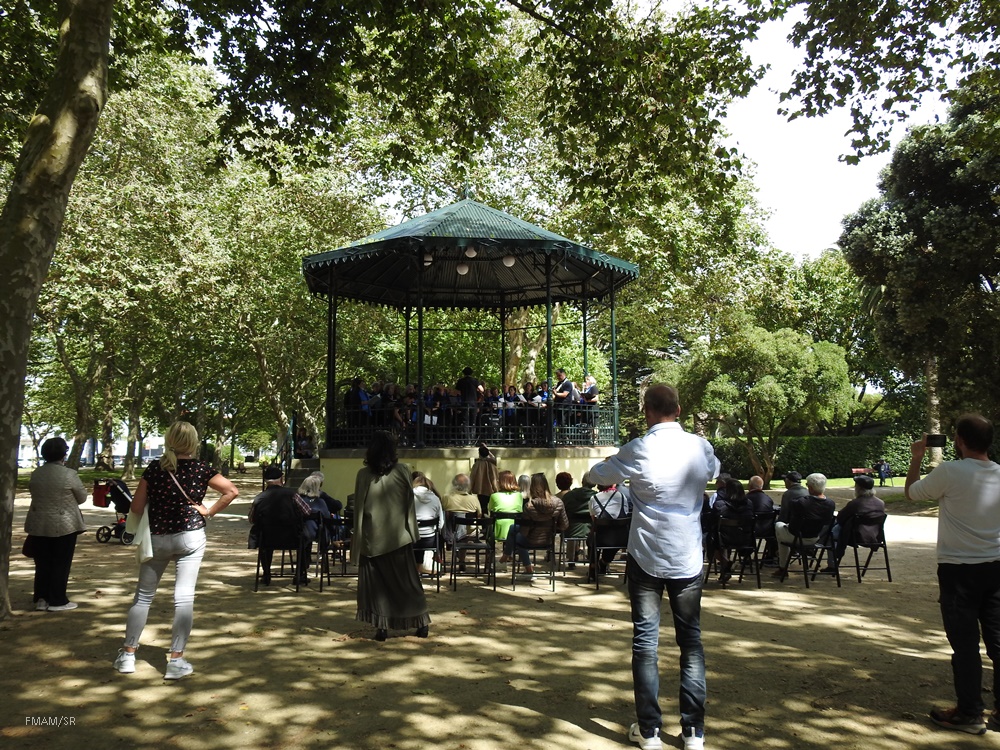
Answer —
(30, 546)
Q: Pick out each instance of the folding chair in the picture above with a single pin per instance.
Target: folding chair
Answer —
(810, 555)
(474, 540)
(433, 544)
(322, 541)
(764, 533)
(735, 537)
(608, 533)
(567, 542)
(525, 525)
(284, 541)
(492, 540)
(868, 531)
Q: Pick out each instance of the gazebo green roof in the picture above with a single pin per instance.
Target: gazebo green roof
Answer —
(421, 259)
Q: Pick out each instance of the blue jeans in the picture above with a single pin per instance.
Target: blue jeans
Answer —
(684, 594)
(517, 543)
(970, 598)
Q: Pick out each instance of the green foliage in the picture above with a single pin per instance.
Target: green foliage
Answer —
(753, 385)
(832, 456)
(929, 244)
(878, 58)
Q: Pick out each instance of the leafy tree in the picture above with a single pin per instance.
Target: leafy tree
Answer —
(929, 243)
(878, 58)
(753, 385)
(624, 98)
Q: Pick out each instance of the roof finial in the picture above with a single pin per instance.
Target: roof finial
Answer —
(467, 192)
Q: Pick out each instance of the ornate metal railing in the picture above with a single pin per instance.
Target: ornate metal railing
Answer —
(457, 425)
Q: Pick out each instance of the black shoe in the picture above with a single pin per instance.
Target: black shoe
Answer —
(381, 635)
(266, 580)
(423, 632)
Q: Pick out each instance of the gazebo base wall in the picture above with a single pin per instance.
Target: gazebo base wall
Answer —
(340, 466)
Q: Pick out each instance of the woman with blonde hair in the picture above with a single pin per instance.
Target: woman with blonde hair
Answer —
(172, 490)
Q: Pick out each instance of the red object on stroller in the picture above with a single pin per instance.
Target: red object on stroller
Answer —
(101, 493)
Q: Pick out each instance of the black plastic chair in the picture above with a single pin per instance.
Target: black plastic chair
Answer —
(474, 540)
(810, 554)
(606, 533)
(524, 526)
(868, 532)
(281, 540)
(492, 540)
(566, 541)
(764, 532)
(434, 544)
(735, 538)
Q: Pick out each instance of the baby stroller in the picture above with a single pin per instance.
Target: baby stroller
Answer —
(117, 492)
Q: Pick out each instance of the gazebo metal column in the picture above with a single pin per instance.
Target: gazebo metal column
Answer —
(331, 360)
(419, 439)
(614, 362)
(550, 407)
(586, 369)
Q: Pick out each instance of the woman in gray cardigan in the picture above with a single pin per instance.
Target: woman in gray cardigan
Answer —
(54, 520)
(390, 595)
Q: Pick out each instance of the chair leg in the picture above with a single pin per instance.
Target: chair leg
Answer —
(885, 551)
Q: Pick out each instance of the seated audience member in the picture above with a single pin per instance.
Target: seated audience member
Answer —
(720, 490)
(864, 505)
(735, 505)
(311, 491)
(507, 499)
(460, 500)
(815, 509)
(542, 506)
(610, 503)
(278, 516)
(524, 485)
(564, 481)
(762, 503)
(577, 504)
(303, 444)
(428, 508)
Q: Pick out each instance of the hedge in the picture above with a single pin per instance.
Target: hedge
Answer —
(832, 456)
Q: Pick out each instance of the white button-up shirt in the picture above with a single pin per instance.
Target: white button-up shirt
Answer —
(668, 470)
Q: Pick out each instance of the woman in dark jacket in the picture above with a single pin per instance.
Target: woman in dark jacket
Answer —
(390, 595)
(53, 523)
(733, 505)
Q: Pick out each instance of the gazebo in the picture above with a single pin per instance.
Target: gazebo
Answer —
(469, 256)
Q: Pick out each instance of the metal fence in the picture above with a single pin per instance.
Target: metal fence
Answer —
(459, 425)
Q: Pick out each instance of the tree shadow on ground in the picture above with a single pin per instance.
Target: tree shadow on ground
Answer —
(855, 667)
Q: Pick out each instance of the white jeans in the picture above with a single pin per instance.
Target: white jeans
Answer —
(187, 548)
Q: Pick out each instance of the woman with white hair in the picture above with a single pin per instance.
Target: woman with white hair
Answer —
(172, 490)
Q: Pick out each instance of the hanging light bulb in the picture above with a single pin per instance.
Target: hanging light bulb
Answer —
(428, 259)
(470, 251)
(462, 268)
(509, 260)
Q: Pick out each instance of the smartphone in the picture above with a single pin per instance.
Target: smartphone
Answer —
(935, 441)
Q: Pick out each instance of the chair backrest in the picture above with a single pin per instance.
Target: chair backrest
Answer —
(736, 533)
(866, 530)
(472, 523)
(547, 527)
(764, 523)
(808, 526)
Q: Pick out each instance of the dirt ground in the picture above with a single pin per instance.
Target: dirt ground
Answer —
(855, 667)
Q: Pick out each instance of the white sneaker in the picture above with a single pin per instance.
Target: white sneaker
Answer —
(694, 738)
(646, 743)
(41, 605)
(63, 607)
(177, 668)
(125, 662)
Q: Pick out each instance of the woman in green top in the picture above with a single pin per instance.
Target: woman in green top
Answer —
(507, 500)
(390, 595)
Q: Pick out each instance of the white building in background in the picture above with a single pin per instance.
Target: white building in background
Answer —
(152, 447)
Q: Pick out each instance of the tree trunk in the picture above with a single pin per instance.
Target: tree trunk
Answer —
(57, 141)
(934, 455)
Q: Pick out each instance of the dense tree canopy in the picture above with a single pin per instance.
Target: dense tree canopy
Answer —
(930, 244)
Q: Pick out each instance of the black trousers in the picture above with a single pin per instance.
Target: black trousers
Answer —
(53, 560)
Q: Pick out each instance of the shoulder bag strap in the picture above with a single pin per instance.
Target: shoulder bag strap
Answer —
(186, 497)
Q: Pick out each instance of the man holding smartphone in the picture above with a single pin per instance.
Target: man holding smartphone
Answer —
(968, 551)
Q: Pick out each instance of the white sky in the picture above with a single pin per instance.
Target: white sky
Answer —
(798, 175)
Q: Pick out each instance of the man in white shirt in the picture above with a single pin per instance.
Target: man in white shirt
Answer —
(667, 469)
(968, 551)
